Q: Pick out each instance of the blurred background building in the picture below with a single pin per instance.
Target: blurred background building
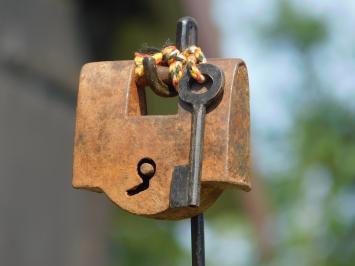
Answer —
(301, 61)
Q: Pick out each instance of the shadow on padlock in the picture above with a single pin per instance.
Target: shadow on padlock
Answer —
(115, 139)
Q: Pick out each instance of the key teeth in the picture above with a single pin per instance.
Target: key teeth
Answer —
(179, 187)
(180, 184)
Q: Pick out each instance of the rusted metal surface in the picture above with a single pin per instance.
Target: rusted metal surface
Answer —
(113, 135)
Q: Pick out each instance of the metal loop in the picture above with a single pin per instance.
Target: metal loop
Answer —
(154, 82)
(186, 35)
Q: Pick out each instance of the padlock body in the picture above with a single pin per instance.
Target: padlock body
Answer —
(113, 135)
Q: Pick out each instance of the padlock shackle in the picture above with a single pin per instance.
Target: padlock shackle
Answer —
(186, 35)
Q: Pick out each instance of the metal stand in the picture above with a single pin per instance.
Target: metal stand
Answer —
(186, 35)
(197, 241)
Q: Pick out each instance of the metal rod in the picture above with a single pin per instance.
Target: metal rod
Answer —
(186, 35)
(196, 153)
(186, 32)
(197, 241)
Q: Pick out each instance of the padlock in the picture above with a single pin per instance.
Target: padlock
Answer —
(133, 157)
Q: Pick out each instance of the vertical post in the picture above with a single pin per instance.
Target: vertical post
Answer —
(186, 35)
(198, 240)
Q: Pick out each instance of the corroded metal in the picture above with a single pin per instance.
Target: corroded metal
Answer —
(113, 134)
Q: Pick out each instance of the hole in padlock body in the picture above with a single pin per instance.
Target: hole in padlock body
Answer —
(143, 101)
(146, 168)
(157, 105)
(200, 88)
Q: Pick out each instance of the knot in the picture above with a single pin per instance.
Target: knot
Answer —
(177, 61)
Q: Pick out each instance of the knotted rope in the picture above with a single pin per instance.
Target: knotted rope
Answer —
(177, 61)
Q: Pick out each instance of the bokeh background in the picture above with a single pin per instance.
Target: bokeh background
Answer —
(301, 60)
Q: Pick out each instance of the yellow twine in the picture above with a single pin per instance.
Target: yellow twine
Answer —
(177, 62)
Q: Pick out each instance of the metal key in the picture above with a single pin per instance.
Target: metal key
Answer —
(200, 100)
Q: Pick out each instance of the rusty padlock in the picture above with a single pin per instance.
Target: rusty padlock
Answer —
(114, 138)
(137, 160)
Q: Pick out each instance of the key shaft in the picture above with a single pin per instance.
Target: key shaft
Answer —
(196, 153)
(200, 102)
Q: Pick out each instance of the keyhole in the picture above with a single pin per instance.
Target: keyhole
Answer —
(146, 170)
(200, 88)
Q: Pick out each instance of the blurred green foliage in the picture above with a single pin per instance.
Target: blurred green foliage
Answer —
(315, 225)
(142, 241)
(297, 27)
(311, 199)
(325, 136)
